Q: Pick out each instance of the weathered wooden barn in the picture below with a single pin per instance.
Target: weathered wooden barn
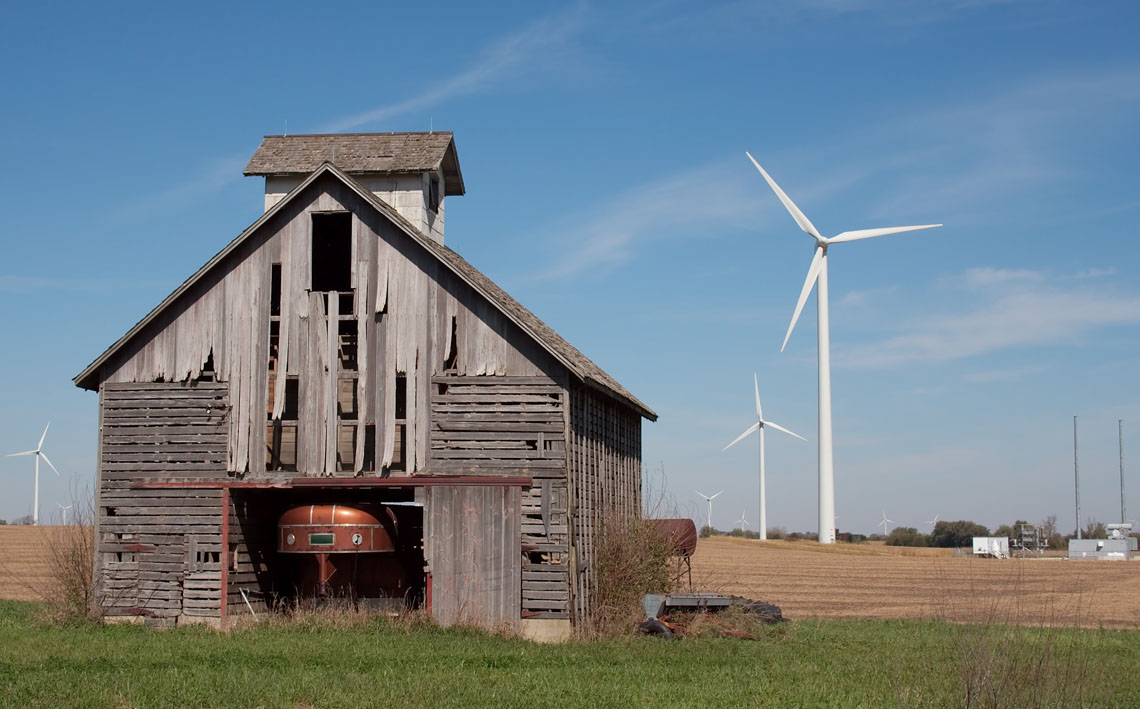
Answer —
(336, 352)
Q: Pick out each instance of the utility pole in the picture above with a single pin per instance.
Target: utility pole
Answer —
(1120, 433)
(1077, 477)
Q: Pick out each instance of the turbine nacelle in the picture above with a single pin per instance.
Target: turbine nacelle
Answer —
(822, 242)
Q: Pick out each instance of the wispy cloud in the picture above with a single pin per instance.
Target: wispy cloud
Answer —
(541, 45)
(1012, 374)
(215, 175)
(695, 203)
(1012, 309)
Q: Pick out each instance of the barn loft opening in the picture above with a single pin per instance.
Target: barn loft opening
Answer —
(332, 252)
(275, 290)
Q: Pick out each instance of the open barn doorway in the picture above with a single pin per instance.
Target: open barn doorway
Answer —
(317, 547)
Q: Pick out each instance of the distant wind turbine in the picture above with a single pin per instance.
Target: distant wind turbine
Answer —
(38, 453)
(63, 512)
(709, 500)
(885, 522)
(760, 425)
(742, 524)
(932, 522)
(817, 276)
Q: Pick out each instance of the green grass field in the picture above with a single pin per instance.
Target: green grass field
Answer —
(802, 664)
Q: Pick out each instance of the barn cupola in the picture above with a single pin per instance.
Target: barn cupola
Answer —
(411, 172)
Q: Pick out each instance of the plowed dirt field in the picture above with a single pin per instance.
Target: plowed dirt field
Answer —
(809, 580)
(24, 566)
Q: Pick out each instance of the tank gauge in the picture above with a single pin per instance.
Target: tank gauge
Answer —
(289, 539)
(357, 539)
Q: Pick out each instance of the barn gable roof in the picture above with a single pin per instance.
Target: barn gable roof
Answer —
(568, 355)
(357, 153)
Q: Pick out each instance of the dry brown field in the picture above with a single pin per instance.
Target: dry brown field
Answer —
(25, 570)
(810, 580)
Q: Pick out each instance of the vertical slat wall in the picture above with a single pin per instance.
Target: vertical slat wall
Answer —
(159, 549)
(605, 478)
(471, 546)
(411, 313)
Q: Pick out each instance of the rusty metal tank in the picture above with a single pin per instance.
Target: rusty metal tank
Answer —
(329, 529)
(342, 551)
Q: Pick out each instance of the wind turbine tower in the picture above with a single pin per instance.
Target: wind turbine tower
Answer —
(38, 453)
(742, 524)
(709, 500)
(885, 522)
(817, 277)
(760, 425)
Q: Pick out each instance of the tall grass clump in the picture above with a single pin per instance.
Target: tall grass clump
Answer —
(68, 591)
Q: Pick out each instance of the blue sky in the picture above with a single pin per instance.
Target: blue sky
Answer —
(603, 151)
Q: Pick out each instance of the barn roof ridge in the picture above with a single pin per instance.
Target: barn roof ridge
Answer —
(569, 356)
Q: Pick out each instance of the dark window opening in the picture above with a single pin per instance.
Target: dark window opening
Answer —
(274, 349)
(369, 462)
(281, 434)
(452, 360)
(433, 193)
(346, 302)
(208, 557)
(291, 406)
(275, 290)
(332, 252)
(347, 344)
(207, 373)
(401, 396)
(399, 458)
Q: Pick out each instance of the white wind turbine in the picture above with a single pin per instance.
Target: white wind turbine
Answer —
(817, 276)
(709, 500)
(932, 522)
(742, 524)
(38, 453)
(760, 425)
(63, 511)
(885, 522)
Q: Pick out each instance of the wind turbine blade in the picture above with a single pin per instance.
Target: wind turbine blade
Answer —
(24, 453)
(741, 437)
(717, 495)
(813, 273)
(41, 443)
(868, 233)
(49, 464)
(702, 494)
(802, 220)
(778, 427)
(756, 385)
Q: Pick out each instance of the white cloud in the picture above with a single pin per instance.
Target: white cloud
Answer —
(216, 174)
(1004, 375)
(698, 202)
(541, 45)
(1016, 309)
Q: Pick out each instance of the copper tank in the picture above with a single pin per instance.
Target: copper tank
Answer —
(331, 529)
(342, 552)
